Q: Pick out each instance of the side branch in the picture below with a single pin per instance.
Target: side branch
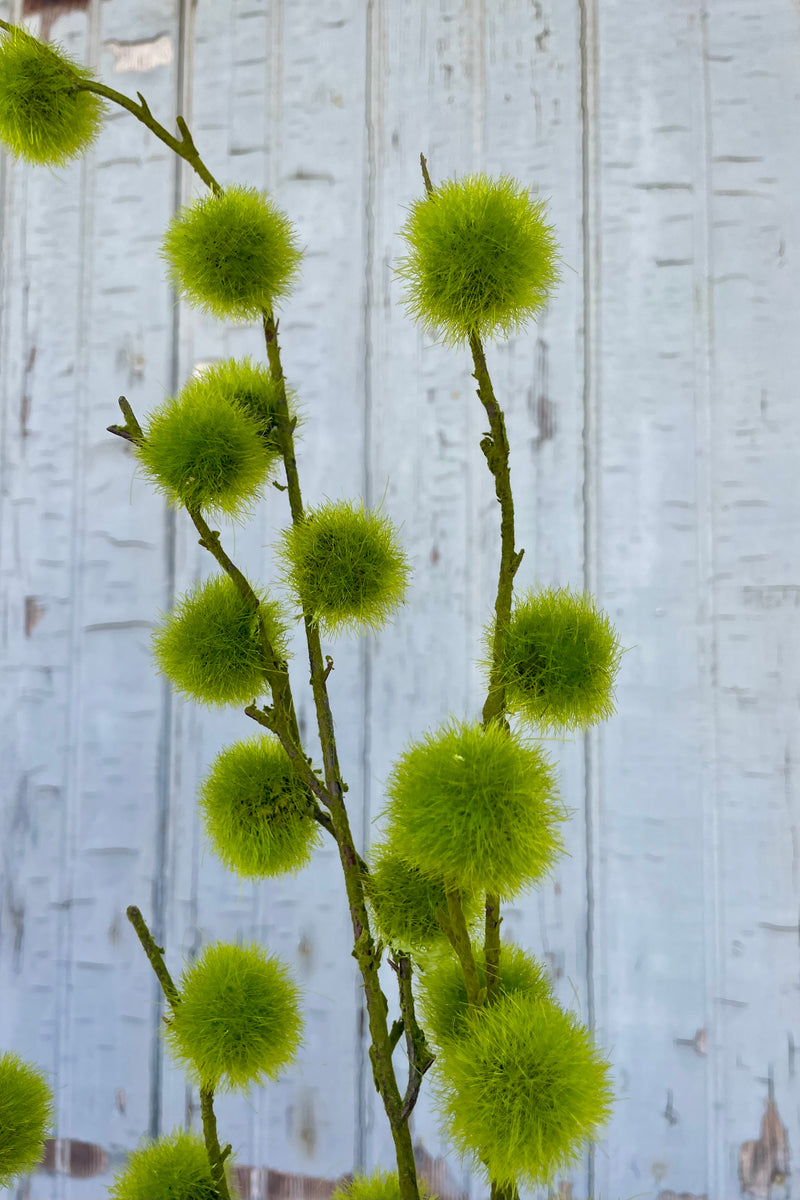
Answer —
(183, 147)
(420, 1057)
(155, 954)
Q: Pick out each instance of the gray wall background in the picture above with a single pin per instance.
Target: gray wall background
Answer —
(654, 426)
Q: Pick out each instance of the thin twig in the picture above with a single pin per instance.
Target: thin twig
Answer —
(420, 1057)
(155, 954)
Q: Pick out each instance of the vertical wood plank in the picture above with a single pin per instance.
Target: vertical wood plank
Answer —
(653, 925)
(753, 512)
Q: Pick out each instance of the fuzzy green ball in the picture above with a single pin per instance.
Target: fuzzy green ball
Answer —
(443, 1003)
(482, 260)
(475, 807)
(209, 645)
(232, 255)
(346, 565)
(558, 658)
(238, 1021)
(26, 1117)
(174, 1166)
(523, 1090)
(256, 810)
(406, 904)
(250, 386)
(43, 119)
(203, 449)
(380, 1185)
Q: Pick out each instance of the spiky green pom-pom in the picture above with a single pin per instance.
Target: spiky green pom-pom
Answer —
(346, 565)
(26, 1117)
(256, 810)
(475, 807)
(380, 1185)
(204, 450)
(523, 1090)
(233, 254)
(406, 904)
(209, 645)
(483, 258)
(558, 658)
(238, 1020)
(249, 385)
(43, 119)
(443, 1003)
(174, 1166)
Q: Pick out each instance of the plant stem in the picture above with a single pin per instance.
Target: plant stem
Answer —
(364, 946)
(457, 932)
(155, 954)
(491, 943)
(495, 447)
(419, 1053)
(216, 1155)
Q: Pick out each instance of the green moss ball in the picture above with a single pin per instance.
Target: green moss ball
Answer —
(209, 645)
(523, 1090)
(42, 118)
(443, 1003)
(250, 386)
(558, 659)
(476, 808)
(174, 1166)
(204, 450)
(238, 1021)
(233, 255)
(346, 566)
(380, 1185)
(27, 1113)
(255, 809)
(482, 258)
(405, 904)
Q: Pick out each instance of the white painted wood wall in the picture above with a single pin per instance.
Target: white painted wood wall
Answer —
(654, 425)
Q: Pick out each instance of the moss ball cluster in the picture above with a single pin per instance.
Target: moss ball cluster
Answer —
(523, 1090)
(346, 566)
(208, 645)
(238, 1021)
(476, 808)
(256, 810)
(482, 258)
(44, 119)
(558, 659)
(233, 254)
(174, 1166)
(27, 1113)
(443, 1003)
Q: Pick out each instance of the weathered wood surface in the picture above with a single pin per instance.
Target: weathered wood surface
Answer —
(654, 430)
